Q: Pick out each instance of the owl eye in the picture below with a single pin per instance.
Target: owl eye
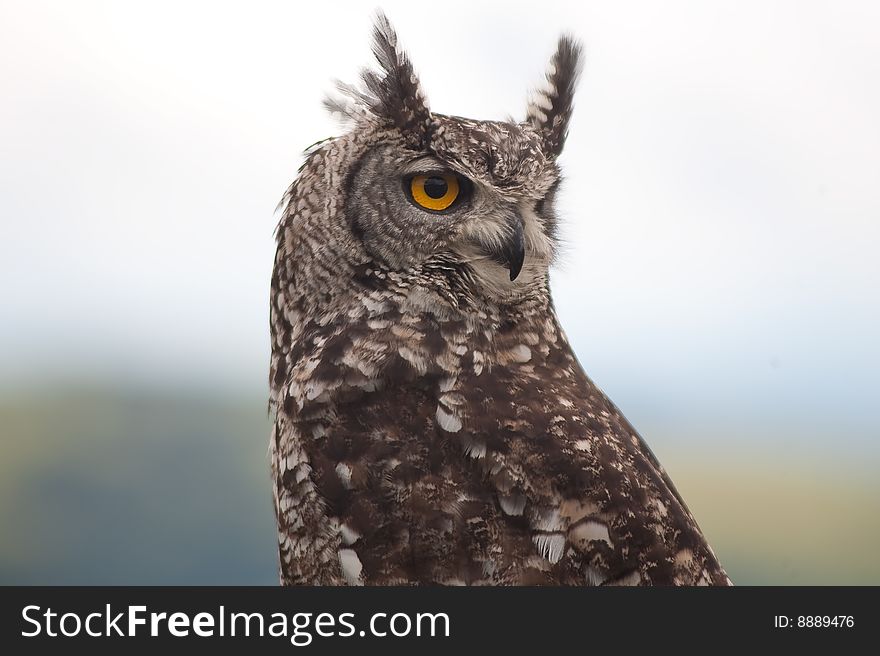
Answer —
(434, 191)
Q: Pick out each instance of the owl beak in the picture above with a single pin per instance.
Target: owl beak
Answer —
(513, 250)
(506, 246)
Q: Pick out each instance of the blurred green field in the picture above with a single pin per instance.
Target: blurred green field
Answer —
(101, 487)
(135, 487)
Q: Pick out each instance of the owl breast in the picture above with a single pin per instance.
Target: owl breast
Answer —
(469, 456)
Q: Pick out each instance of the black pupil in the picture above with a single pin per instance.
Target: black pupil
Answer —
(436, 187)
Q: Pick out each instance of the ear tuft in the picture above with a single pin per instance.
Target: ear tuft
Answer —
(550, 108)
(394, 93)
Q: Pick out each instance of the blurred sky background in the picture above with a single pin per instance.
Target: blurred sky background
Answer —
(719, 279)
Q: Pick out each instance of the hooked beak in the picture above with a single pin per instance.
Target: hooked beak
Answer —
(512, 251)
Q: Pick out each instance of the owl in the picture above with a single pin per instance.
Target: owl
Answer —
(432, 424)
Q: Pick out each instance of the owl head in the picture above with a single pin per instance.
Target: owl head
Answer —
(416, 194)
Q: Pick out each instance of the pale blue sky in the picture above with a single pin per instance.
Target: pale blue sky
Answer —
(721, 207)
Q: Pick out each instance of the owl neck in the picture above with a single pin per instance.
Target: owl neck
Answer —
(444, 290)
(379, 327)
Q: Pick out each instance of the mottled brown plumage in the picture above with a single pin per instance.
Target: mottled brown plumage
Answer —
(432, 424)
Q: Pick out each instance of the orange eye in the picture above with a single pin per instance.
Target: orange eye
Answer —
(435, 191)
